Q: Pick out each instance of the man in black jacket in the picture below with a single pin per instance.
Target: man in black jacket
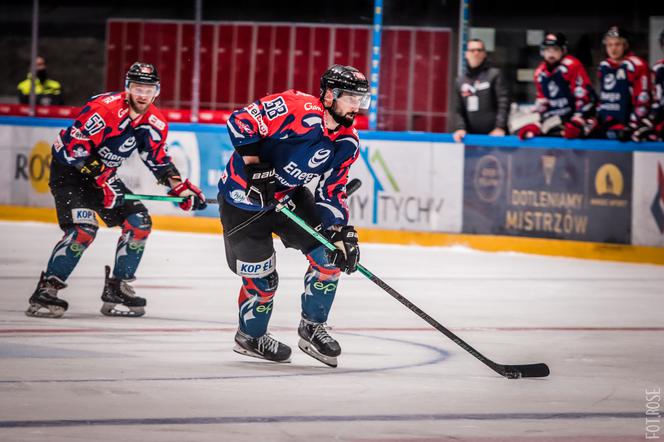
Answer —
(482, 100)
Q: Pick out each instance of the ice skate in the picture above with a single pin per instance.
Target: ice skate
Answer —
(264, 347)
(44, 302)
(119, 292)
(317, 343)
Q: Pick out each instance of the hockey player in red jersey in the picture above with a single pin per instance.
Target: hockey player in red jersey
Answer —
(625, 90)
(565, 97)
(84, 184)
(657, 111)
(282, 142)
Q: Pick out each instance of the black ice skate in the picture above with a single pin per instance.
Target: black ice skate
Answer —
(118, 291)
(265, 347)
(317, 343)
(44, 302)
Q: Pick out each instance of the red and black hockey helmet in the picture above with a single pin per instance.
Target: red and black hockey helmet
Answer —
(143, 73)
(341, 78)
(554, 39)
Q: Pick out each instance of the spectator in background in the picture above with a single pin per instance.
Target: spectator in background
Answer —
(47, 90)
(565, 97)
(625, 88)
(482, 100)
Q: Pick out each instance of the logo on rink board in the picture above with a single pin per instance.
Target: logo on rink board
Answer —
(657, 208)
(35, 166)
(560, 194)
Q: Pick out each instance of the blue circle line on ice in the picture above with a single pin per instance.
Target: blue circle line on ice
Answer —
(220, 420)
(440, 356)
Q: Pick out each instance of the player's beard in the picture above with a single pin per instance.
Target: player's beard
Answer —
(138, 107)
(344, 120)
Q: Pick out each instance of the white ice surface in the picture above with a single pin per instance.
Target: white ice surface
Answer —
(172, 375)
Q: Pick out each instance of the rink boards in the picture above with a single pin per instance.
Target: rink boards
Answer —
(417, 187)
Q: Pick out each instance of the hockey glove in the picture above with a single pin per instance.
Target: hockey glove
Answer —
(105, 178)
(261, 184)
(111, 187)
(579, 127)
(347, 254)
(617, 131)
(529, 131)
(195, 198)
(659, 130)
(644, 130)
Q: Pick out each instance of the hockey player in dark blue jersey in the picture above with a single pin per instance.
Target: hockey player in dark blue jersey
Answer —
(565, 97)
(625, 90)
(85, 184)
(657, 111)
(282, 142)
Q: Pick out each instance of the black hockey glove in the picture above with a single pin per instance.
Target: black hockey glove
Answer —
(347, 254)
(261, 184)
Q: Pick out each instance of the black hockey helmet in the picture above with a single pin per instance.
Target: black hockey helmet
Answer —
(661, 38)
(616, 32)
(142, 73)
(554, 39)
(339, 79)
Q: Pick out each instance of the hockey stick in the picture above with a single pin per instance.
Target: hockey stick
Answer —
(351, 187)
(508, 371)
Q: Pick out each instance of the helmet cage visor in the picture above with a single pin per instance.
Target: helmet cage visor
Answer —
(352, 98)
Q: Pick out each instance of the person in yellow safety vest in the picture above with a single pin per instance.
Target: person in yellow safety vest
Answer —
(47, 90)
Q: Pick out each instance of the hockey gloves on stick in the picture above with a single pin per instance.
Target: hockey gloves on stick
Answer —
(107, 180)
(579, 127)
(529, 131)
(347, 253)
(261, 184)
(195, 198)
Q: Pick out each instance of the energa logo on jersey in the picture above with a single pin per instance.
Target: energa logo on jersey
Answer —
(128, 145)
(609, 81)
(553, 89)
(319, 158)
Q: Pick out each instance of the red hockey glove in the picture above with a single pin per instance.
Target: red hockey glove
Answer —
(195, 198)
(111, 187)
(659, 130)
(574, 127)
(347, 254)
(529, 131)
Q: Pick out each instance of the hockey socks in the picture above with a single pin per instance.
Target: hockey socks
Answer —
(135, 231)
(255, 302)
(68, 251)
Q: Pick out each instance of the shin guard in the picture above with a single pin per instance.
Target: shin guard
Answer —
(255, 303)
(135, 231)
(69, 250)
(320, 286)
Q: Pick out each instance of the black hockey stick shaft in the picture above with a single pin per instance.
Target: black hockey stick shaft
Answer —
(508, 371)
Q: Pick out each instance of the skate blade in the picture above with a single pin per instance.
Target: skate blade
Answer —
(309, 349)
(108, 309)
(51, 311)
(243, 351)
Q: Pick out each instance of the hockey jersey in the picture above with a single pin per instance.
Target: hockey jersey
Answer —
(103, 129)
(564, 90)
(625, 90)
(289, 129)
(658, 91)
